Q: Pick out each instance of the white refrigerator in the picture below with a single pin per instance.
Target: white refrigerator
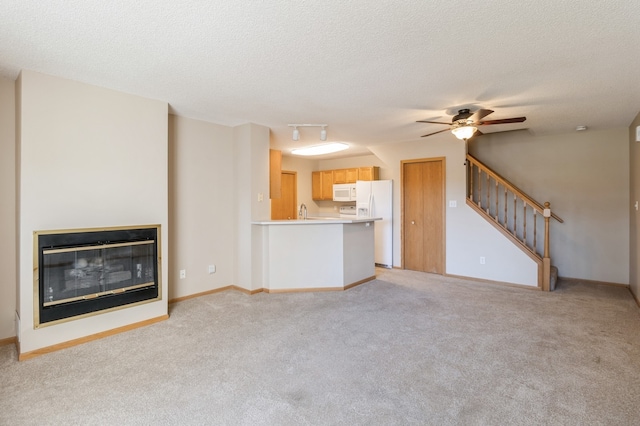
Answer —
(374, 198)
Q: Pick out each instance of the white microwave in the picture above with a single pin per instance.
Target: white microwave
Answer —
(344, 192)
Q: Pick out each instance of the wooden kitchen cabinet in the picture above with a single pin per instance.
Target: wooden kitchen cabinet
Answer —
(322, 185)
(352, 175)
(327, 184)
(275, 173)
(345, 175)
(369, 173)
(316, 185)
(322, 181)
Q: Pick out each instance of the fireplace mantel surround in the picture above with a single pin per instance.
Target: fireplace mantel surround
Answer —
(88, 157)
(83, 272)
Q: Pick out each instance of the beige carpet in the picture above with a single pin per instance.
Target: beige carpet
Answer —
(407, 348)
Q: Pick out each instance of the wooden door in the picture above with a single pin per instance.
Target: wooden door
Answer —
(423, 215)
(285, 207)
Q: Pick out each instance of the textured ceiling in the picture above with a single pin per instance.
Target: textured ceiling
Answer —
(367, 69)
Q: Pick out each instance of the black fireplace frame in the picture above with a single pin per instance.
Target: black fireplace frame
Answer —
(62, 239)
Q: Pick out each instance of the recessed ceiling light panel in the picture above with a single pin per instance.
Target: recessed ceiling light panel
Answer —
(327, 148)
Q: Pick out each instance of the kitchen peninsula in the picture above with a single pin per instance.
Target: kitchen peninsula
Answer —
(315, 254)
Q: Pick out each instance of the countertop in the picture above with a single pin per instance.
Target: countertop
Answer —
(313, 220)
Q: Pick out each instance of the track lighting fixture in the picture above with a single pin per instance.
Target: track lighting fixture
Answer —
(296, 132)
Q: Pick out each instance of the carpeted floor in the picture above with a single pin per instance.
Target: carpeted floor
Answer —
(407, 348)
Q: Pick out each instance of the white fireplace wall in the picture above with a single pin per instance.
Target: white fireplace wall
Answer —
(86, 157)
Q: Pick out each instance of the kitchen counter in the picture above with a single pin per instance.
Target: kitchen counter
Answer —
(315, 254)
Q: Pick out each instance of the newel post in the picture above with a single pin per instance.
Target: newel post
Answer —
(546, 260)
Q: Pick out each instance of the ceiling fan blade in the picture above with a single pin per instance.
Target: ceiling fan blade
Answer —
(432, 122)
(435, 133)
(503, 121)
(480, 114)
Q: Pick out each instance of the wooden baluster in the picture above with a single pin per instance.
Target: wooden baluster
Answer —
(497, 220)
(479, 187)
(471, 181)
(524, 225)
(535, 234)
(515, 209)
(505, 207)
(488, 194)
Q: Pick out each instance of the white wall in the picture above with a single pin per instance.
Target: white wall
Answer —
(89, 157)
(201, 206)
(585, 177)
(251, 154)
(468, 236)
(7, 209)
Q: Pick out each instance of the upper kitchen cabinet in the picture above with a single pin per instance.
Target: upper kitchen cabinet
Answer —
(322, 181)
(322, 185)
(275, 173)
(345, 175)
(369, 173)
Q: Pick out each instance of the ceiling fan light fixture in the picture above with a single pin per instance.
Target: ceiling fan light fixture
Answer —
(326, 148)
(464, 132)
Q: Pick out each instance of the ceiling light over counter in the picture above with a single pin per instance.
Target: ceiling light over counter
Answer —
(327, 148)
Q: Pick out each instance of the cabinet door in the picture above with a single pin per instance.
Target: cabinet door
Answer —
(316, 185)
(351, 175)
(368, 173)
(275, 175)
(327, 185)
(340, 176)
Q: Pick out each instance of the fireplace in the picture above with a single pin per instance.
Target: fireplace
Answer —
(84, 272)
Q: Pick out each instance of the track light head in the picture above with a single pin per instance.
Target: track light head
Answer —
(323, 134)
(296, 134)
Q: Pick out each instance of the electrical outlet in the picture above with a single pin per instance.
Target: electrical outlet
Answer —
(482, 260)
(183, 274)
(212, 269)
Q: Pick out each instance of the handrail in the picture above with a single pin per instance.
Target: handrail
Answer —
(503, 214)
(530, 201)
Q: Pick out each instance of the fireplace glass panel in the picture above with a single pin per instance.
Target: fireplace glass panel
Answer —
(84, 272)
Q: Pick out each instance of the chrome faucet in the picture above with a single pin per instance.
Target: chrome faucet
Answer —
(302, 215)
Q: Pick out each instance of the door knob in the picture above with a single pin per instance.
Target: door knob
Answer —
(413, 222)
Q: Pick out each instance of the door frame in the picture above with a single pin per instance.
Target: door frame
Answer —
(444, 207)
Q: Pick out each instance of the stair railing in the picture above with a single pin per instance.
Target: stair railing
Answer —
(512, 212)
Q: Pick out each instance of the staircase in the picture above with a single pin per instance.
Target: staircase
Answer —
(520, 218)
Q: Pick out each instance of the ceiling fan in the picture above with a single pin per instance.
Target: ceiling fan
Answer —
(464, 125)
